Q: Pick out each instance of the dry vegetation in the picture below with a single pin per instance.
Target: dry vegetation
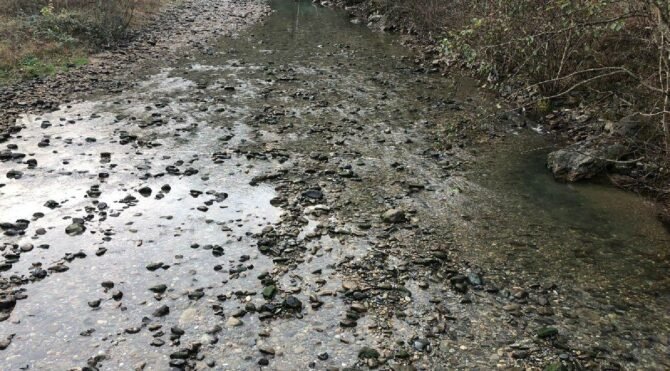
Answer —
(610, 55)
(40, 37)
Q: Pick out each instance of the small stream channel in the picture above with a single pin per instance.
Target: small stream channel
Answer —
(188, 126)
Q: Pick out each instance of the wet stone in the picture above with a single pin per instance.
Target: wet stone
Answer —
(144, 191)
(177, 331)
(393, 216)
(75, 229)
(421, 345)
(368, 353)
(133, 330)
(159, 289)
(154, 266)
(269, 292)
(293, 303)
(161, 311)
(233, 322)
(14, 174)
(547, 332)
(117, 295)
(94, 303)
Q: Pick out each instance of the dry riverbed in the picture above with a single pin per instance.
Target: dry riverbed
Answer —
(297, 195)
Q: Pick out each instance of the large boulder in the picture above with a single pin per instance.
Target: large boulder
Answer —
(583, 160)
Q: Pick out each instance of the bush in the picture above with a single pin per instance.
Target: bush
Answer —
(39, 37)
(586, 50)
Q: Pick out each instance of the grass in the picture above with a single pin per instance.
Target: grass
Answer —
(40, 38)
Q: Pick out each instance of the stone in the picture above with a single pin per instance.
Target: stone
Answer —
(161, 311)
(145, 191)
(233, 322)
(159, 289)
(75, 229)
(547, 332)
(393, 216)
(94, 303)
(583, 160)
(368, 353)
(292, 302)
(269, 292)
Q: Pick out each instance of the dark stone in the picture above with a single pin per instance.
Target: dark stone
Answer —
(161, 311)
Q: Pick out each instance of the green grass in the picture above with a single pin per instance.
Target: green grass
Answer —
(36, 43)
(32, 66)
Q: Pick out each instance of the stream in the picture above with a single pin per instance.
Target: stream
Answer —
(224, 213)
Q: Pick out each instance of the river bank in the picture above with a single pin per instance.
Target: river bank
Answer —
(597, 137)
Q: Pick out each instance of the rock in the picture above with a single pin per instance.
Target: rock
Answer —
(161, 311)
(547, 332)
(7, 302)
(14, 174)
(6, 342)
(583, 160)
(293, 303)
(177, 331)
(154, 266)
(393, 216)
(474, 279)
(266, 349)
(313, 194)
(94, 303)
(421, 345)
(513, 307)
(75, 229)
(145, 191)
(117, 295)
(107, 284)
(133, 330)
(159, 289)
(269, 292)
(26, 247)
(368, 353)
(233, 322)
(358, 307)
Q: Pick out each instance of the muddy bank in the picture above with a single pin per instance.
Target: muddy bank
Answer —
(302, 196)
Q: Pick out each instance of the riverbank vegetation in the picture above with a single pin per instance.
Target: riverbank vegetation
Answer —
(583, 67)
(41, 37)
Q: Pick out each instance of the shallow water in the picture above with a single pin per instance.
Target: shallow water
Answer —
(589, 233)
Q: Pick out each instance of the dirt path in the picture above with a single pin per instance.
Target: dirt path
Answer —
(296, 197)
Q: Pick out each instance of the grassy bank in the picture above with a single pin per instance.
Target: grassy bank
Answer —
(42, 37)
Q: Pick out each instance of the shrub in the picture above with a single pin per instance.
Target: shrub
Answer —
(585, 49)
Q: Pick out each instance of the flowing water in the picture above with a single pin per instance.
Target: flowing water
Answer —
(197, 126)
